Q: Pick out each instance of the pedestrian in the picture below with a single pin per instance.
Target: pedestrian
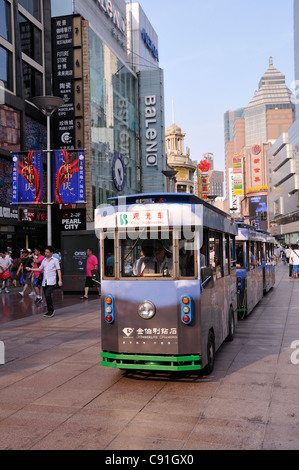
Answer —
(26, 262)
(50, 267)
(91, 264)
(290, 261)
(4, 266)
(276, 254)
(295, 260)
(16, 261)
(38, 276)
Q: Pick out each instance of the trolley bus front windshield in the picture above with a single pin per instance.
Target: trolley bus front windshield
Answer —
(150, 255)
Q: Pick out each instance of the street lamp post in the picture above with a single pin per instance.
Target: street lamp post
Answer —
(48, 105)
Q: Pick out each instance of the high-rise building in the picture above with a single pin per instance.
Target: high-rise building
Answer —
(143, 56)
(268, 114)
(271, 110)
(283, 164)
(102, 58)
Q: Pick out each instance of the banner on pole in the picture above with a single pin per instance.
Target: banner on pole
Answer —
(27, 178)
(69, 176)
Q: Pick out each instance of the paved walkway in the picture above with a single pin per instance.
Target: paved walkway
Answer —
(55, 395)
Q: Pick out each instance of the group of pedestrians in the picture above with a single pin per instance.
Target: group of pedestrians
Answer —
(289, 255)
(37, 272)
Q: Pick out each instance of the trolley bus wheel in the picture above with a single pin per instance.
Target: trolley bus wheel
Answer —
(231, 326)
(211, 354)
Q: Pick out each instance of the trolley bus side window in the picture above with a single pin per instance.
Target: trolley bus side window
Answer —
(109, 258)
(240, 255)
(187, 257)
(226, 252)
(233, 252)
(216, 253)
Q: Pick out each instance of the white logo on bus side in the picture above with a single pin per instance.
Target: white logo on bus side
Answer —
(2, 353)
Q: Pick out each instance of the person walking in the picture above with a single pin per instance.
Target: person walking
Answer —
(38, 276)
(289, 260)
(295, 261)
(50, 267)
(16, 261)
(4, 265)
(91, 264)
(26, 262)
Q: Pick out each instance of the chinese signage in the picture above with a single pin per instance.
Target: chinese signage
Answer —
(238, 183)
(142, 219)
(31, 215)
(69, 177)
(27, 178)
(256, 169)
(234, 200)
(68, 83)
(203, 179)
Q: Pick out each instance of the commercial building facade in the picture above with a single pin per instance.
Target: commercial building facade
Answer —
(81, 47)
(25, 71)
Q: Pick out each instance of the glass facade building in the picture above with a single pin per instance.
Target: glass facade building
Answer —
(114, 121)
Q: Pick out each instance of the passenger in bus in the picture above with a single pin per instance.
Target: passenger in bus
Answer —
(202, 257)
(160, 262)
(253, 262)
(240, 257)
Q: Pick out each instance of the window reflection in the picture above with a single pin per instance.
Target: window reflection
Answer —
(114, 118)
(5, 23)
(31, 39)
(33, 7)
(6, 74)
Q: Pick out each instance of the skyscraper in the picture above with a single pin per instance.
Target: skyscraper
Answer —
(271, 111)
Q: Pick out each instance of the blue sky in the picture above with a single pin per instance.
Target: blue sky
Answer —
(213, 54)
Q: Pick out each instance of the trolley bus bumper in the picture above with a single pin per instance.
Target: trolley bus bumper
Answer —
(148, 362)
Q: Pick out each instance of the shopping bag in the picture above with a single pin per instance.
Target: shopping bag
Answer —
(5, 275)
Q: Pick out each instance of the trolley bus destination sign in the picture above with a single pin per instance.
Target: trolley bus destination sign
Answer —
(154, 218)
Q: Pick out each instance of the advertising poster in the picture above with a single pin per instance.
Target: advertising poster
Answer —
(258, 210)
(27, 178)
(69, 177)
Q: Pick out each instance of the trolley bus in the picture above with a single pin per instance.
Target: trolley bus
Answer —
(255, 267)
(168, 281)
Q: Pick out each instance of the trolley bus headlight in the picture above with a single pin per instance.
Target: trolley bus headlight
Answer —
(109, 309)
(186, 309)
(146, 310)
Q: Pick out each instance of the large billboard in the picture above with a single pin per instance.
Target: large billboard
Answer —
(258, 211)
